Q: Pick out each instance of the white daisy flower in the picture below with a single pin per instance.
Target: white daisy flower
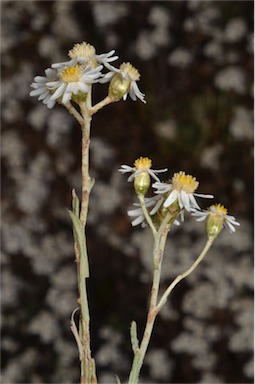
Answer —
(73, 80)
(41, 89)
(85, 54)
(182, 190)
(217, 216)
(143, 164)
(123, 82)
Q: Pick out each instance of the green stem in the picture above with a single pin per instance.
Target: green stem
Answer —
(139, 355)
(147, 215)
(88, 374)
(86, 180)
(73, 111)
(159, 246)
(101, 104)
(184, 274)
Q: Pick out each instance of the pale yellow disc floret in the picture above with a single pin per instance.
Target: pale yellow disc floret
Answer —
(71, 74)
(131, 71)
(183, 182)
(143, 163)
(83, 50)
(220, 209)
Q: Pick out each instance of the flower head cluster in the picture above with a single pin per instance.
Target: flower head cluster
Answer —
(73, 79)
(173, 198)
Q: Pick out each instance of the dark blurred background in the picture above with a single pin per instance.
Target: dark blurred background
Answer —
(196, 65)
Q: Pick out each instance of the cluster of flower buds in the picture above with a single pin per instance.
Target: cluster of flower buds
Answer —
(72, 80)
(173, 198)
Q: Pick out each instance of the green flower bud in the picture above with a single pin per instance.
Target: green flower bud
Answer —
(214, 225)
(142, 183)
(118, 87)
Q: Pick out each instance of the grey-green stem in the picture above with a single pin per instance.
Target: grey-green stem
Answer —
(155, 305)
(185, 274)
(88, 373)
(159, 245)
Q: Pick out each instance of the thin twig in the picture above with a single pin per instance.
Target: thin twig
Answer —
(101, 104)
(184, 274)
(74, 112)
(146, 214)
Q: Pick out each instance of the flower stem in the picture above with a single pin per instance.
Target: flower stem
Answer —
(101, 104)
(73, 111)
(139, 355)
(146, 214)
(159, 246)
(88, 372)
(185, 274)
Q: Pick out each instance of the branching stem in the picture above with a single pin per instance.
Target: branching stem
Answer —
(155, 305)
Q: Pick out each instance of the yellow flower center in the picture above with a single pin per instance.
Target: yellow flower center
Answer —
(131, 71)
(83, 50)
(182, 182)
(143, 163)
(220, 209)
(71, 74)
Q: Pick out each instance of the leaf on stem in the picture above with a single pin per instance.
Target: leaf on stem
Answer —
(134, 339)
(80, 238)
(76, 334)
(75, 203)
(117, 379)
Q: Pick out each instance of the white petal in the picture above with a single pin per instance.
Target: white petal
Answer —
(135, 212)
(155, 209)
(231, 228)
(126, 168)
(137, 92)
(153, 175)
(43, 95)
(204, 196)
(59, 91)
(232, 220)
(193, 201)
(137, 221)
(184, 200)
(66, 97)
(36, 92)
(83, 87)
(131, 178)
(171, 198)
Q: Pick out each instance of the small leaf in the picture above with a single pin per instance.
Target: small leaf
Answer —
(117, 379)
(75, 203)
(134, 339)
(80, 238)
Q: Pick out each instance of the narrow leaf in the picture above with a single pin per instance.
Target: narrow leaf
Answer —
(134, 339)
(80, 238)
(75, 203)
(76, 334)
(117, 379)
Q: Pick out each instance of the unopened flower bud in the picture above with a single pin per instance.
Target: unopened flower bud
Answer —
(214, 225)
(142, 183)
(118, 87)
